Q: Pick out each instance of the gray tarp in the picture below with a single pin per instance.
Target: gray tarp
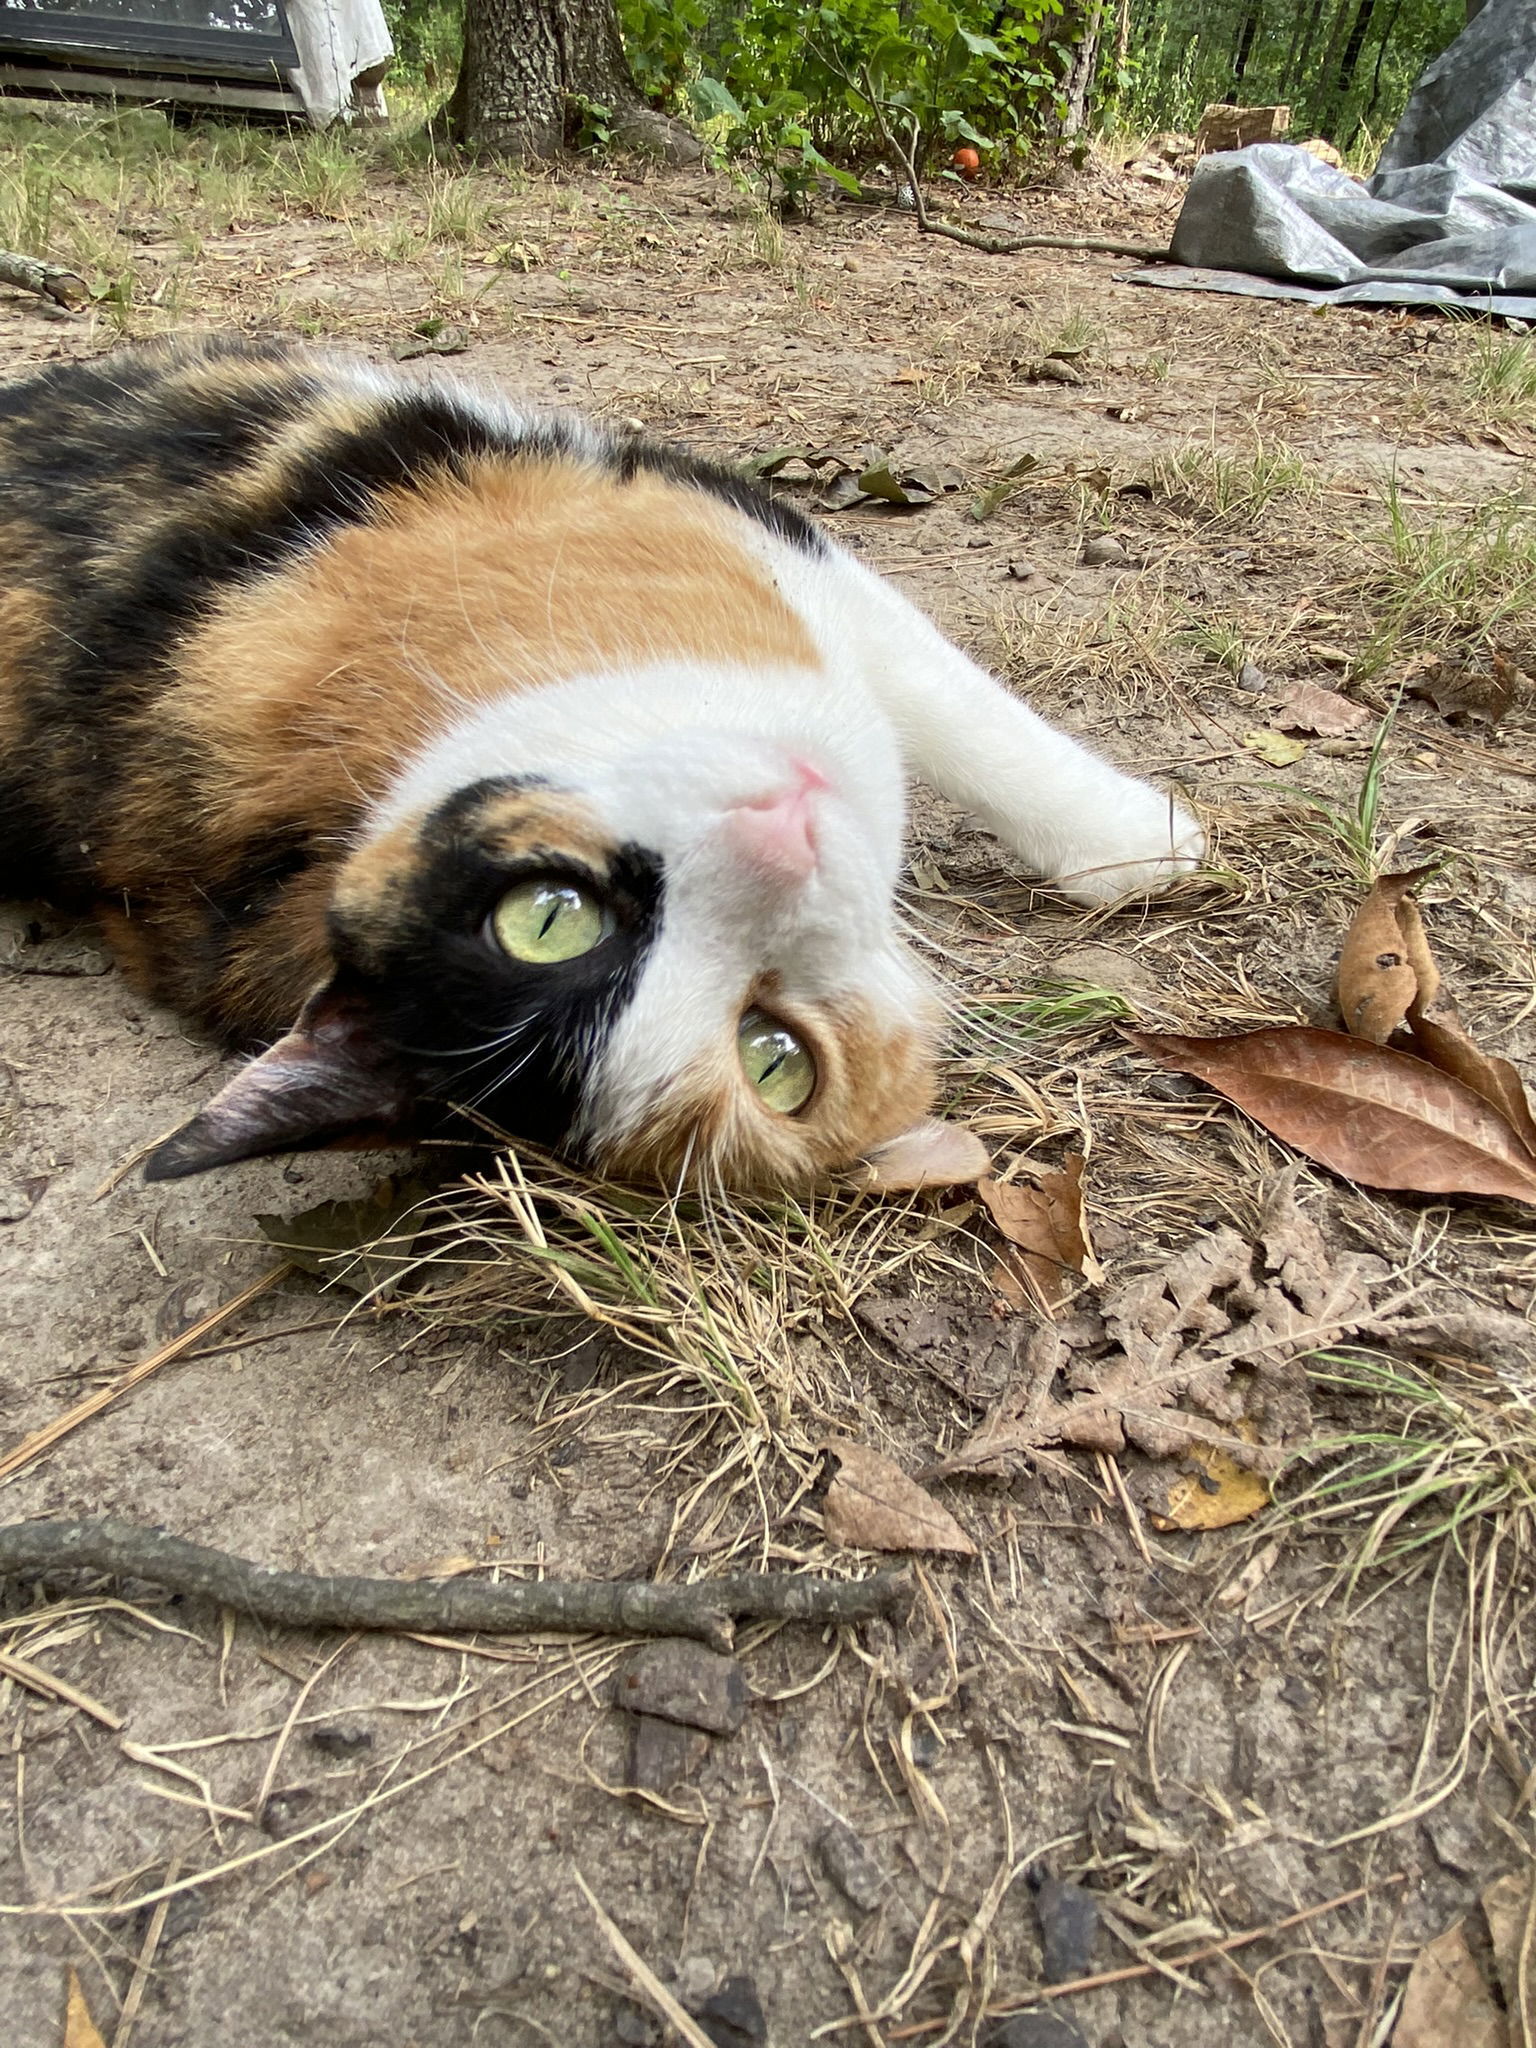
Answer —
(1448, 219)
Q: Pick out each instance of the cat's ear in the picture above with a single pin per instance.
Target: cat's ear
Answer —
(933, 1154)
(330, 1077)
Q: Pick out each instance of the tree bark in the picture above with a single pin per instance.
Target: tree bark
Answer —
(48, 280)
(1381, 54)
(1302, 39)
(525, 64)
(706, 1609)
(1245, 43)
(1077, 85)
(1359, 29)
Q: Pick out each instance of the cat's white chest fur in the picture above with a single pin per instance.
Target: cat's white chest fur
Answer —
(891, 693)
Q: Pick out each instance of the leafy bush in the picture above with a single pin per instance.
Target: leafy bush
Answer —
(797, 84)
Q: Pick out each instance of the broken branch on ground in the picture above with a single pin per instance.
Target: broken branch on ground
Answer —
(48, 280)
(707, 1609)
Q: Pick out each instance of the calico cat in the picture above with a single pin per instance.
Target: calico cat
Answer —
(485, 764)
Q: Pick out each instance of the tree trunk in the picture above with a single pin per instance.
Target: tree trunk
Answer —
(1381, 55)
(1245, 43)
(526, 61)
(1301, 47)
(1359, 29)
(1077, 84)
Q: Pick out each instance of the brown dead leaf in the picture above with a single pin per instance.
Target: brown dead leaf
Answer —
(1446, 2003)
(1440, 1037)
(1385, 959)
(1277, 748)
(80, 2030)
(1380, 1117)
(1508, 1906)
(1199, 1352)
(1048, 1231)
(873, 1505)
(1307, 707)
(1459, 689)
(442, 1568)
(1388, 980)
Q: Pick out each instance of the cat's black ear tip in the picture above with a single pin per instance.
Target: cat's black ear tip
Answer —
(195, 1148)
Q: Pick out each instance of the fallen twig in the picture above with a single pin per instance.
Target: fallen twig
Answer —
(706, 1609)
(993, 245)
(42, 1439)
(1026, 1999)
(1008, 245)
(48, 280)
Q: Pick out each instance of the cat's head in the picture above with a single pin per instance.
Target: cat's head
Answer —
(678, 963)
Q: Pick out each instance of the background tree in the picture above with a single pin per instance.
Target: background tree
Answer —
(533, 69)
(1342, 65)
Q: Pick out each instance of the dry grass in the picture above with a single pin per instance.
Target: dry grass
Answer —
(1501, 383)
(1437, 581)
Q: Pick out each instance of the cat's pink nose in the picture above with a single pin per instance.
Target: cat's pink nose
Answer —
(776, 832)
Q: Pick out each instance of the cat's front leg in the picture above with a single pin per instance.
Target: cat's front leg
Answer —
(1068, 814)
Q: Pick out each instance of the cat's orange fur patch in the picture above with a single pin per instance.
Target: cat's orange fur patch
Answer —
(874, 1081)
(24, 625)
(305, 691)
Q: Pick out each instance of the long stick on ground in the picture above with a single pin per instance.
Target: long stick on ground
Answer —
(707, 1609)
(1009, 245)
(993, 245)
(48, 280)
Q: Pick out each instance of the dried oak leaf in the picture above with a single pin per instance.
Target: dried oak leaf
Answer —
(1199, 1352)
(1213, 1492)
(1458, 689)
(1388, 981)
(363, 1245)
(1308, 707)
(1506, 1905)
(1048, 1231)
(1277, 748)
(873, 1505)
(1380, 1117)
(1447, 1999)
(1384, 959)
(942, 1335)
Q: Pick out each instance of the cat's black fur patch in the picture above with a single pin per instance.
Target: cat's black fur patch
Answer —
(450, 1005)
(133, 485)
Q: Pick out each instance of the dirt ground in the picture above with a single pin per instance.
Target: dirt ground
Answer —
(371, 1841)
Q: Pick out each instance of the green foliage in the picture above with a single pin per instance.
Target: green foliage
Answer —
(429, 38)
(794, 85)
(1345, 67)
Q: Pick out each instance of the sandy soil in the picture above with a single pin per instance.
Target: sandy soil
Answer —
(1086, 1694)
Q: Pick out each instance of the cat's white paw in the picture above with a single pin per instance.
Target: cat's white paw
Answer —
(1144, 842)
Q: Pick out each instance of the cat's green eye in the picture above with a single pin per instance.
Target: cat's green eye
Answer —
(779, 1067)
(544, 921)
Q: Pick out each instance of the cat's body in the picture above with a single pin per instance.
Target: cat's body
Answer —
(525, 762)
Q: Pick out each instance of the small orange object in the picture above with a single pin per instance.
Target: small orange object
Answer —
(966, 161)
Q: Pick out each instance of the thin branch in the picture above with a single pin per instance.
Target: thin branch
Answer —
(992, 245)
(48, 280)
(1009, 245)
(615, 1607)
